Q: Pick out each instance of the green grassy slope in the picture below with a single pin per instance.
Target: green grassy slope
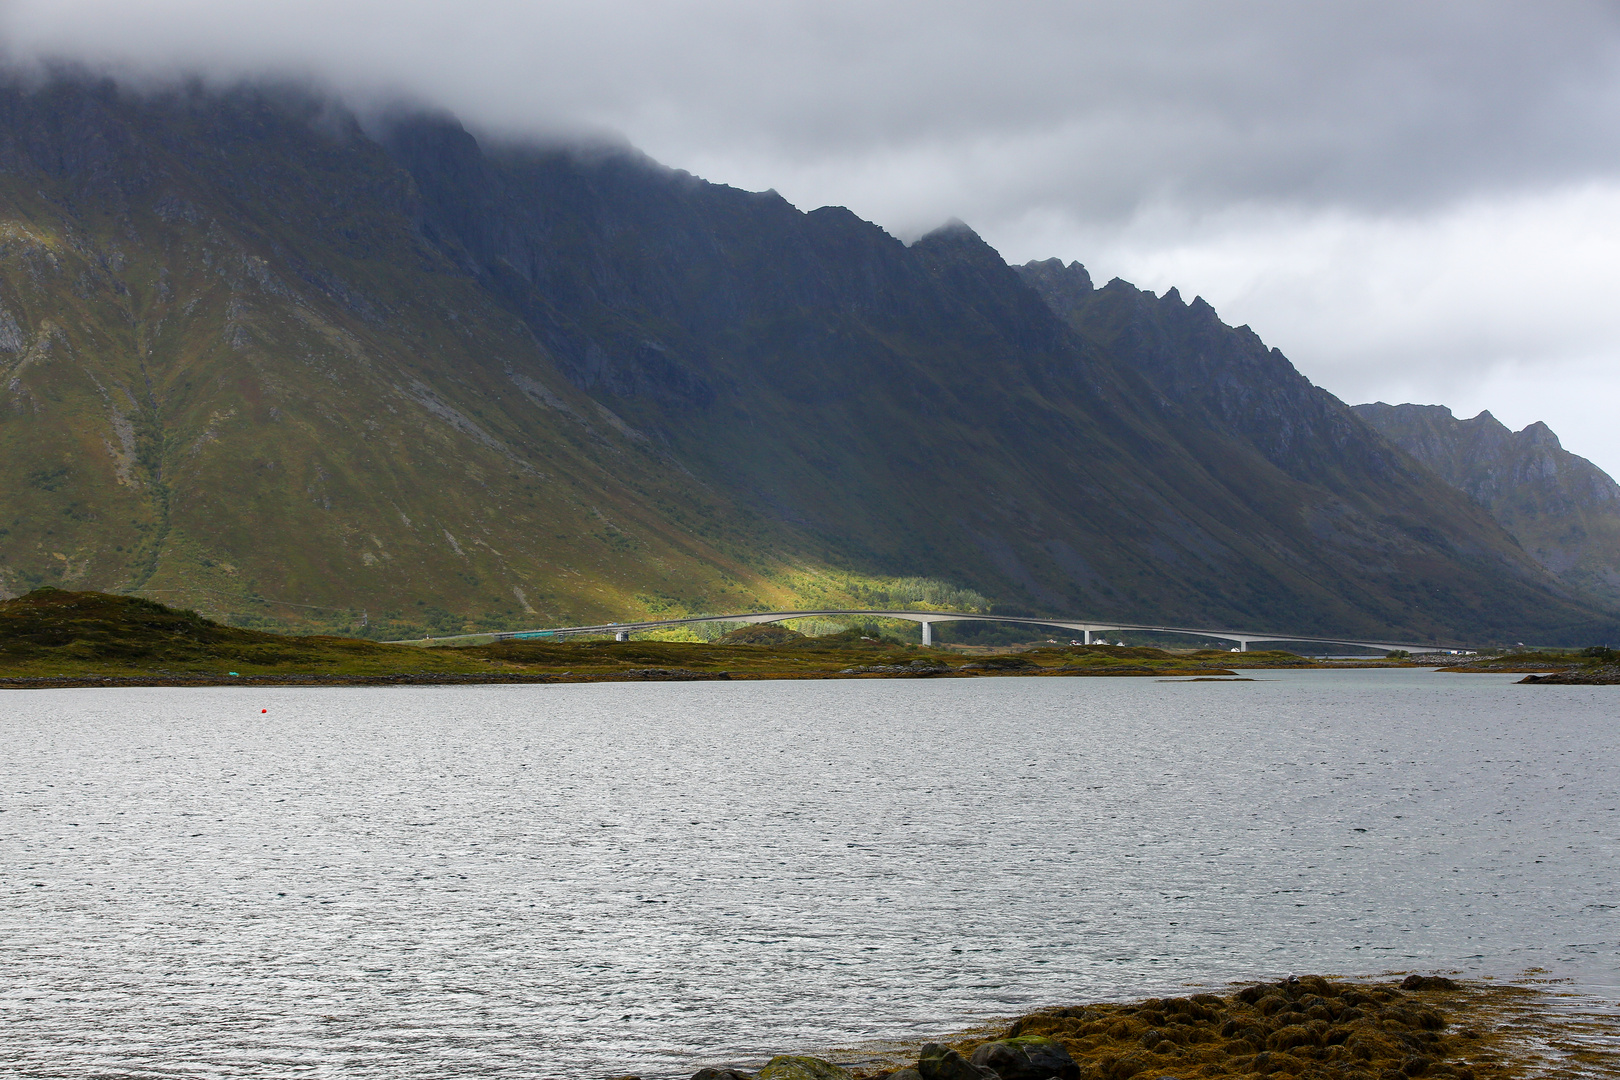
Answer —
(242, 382)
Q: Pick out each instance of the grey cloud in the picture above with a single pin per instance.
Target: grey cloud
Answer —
(1312, 168)
(1371, 105)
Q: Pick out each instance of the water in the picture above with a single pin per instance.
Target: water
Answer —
(586, 881)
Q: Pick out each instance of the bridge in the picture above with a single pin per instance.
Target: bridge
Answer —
(622, 631)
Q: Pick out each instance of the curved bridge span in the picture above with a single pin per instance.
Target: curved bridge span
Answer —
(1086, 627)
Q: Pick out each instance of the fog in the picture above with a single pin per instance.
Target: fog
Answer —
(1415, 202)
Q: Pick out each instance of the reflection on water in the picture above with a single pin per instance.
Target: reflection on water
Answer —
(583, 881)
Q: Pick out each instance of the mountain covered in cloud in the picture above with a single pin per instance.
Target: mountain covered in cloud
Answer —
(1563, 510)
(259, 355)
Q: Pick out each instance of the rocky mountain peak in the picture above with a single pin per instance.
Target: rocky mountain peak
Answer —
(1563, 510)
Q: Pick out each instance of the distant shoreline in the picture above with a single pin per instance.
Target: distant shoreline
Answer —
(47, 682)
(434, 678)
(50, 639)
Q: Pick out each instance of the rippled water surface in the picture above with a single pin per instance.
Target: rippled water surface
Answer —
(586, 881)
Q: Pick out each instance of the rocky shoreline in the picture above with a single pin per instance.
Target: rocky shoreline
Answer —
(1309, 1028)
(1608, 675)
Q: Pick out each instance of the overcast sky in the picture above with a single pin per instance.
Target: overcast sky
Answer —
(1414, 201)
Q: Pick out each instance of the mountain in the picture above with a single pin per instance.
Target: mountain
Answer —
(285, 367)
(1561, 508)
(1221, 381)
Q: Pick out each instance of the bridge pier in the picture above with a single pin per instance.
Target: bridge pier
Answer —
(622, 635)
(928, 632)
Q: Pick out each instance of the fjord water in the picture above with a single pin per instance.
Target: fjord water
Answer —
(592, 880)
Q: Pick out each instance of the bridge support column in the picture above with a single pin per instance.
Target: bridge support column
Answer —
(928, 632)
(1244, 644)
(621, 635)
(1088, 636)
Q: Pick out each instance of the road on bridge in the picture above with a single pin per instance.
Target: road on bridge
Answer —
(1086, 627)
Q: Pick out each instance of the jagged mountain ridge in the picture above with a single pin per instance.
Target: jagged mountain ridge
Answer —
(268, 351)
(706, 330)
(1564, 510)
(1223, 381)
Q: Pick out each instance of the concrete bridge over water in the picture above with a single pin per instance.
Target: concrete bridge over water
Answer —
(927, 619)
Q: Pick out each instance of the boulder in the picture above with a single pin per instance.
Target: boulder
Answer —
(1027, 1057)
(939, 1062)
(797, 1067)
(721, 1074)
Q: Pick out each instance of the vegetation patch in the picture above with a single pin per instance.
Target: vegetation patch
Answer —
(762, 634)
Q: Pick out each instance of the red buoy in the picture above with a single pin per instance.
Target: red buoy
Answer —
(264, 710)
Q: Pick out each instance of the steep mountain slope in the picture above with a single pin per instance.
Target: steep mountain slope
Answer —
(924, 405)
(254, 350)
(1220, 386)
(1562, 509)
(234, 370)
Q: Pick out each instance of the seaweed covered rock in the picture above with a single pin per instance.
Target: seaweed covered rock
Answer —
(722, 1074)
(799, 1067)
(1300, 1028)
(939, 1062)
(1027, 1057)
(1306, 1028)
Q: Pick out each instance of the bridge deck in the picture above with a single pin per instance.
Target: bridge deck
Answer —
(926, 618)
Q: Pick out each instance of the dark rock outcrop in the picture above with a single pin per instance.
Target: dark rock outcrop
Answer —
(1605, 675)
(916, 667)
(940, 1062)
(1027, 1057)
(1000, 663)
